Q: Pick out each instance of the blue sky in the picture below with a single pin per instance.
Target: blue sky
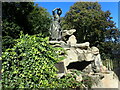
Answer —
(65, 6)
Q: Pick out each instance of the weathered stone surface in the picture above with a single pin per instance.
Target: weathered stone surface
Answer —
(71, 56)
(110, 80)
(72, 40)
(79, 53)
(79, 78)
(56, 42)
(88, 69)
(84, 55)
(97, 64)
(68, 32)
(83, 45)
(89, 56)
(62, 70)
(60, 67)
(95, 50)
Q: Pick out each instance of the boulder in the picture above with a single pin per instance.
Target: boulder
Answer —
(72, 41)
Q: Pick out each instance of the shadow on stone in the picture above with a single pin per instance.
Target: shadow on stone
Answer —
(79, 65)
(117, 72)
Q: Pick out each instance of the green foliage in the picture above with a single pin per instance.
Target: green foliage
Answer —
(70, 81)
(93, 25)
(16, 13)
(39, 20)
(30, 63)
(23, 16)
(88, 81)
(111, 59)
(90, 21)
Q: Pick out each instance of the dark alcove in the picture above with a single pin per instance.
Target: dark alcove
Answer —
(79, 65)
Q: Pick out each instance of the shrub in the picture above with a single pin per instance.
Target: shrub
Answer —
(30, 63)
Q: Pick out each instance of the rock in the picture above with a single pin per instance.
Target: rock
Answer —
(89, 56)
(56, 42)
(104, 69)
(110, 80)
(68, 32)
(71, 56)
(83, 45)
(95, 50)
(88, 69)
(61, 68)
(97, 64)
(72, 40)
(84, 55)
(79, 53)
(79, 78)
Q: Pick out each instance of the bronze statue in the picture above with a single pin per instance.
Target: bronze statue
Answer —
(55, 29)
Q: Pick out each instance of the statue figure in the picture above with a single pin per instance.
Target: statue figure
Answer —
(55, 29)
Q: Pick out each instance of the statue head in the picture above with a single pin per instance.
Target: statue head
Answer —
(59, 11)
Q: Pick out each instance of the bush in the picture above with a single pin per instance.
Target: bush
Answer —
(70, 80)
(30, 63)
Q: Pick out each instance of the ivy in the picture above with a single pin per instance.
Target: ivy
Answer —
(30, 63)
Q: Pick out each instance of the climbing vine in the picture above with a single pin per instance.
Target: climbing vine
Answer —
(31, 64)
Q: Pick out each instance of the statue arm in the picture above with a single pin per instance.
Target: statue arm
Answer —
(53, 11)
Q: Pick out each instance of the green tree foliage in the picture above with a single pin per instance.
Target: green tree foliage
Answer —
(22, 16)
(92, 24)
(15, 13)
(39, 20)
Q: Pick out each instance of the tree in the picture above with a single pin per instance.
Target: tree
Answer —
(14, 17)
(15, 13)
(22, 16)
(39, 21)
(92, 24)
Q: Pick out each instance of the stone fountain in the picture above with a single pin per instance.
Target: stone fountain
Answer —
(79, 56)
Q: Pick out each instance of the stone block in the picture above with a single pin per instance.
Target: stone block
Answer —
(60, 67)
